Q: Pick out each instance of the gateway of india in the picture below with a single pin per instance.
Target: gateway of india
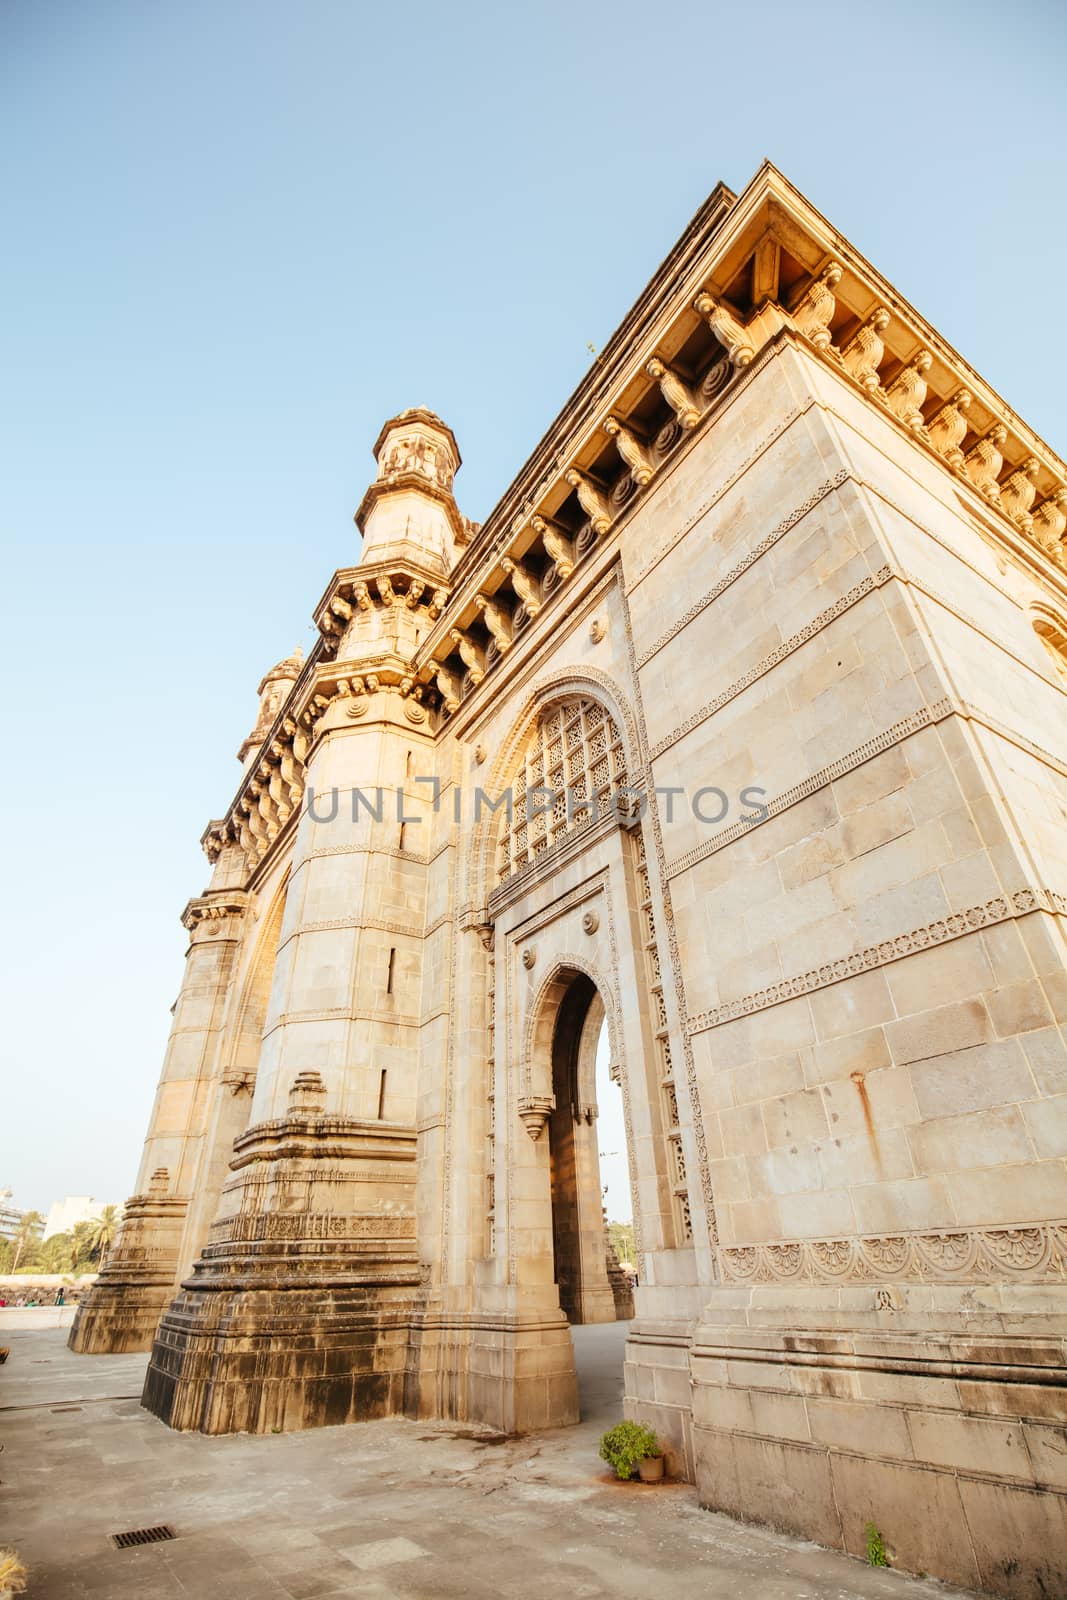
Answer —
(737, 730)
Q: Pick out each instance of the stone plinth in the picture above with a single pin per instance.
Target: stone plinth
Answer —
(298, 1311)
(136, 1281)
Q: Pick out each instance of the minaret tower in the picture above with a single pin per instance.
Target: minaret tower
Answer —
(300, 1308)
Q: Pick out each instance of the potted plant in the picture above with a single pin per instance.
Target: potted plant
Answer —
(13, 1575)
(629, 1445)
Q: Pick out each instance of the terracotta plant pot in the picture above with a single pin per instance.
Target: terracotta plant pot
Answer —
(651, 1469)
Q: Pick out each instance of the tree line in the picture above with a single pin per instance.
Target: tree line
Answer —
(81, 1250)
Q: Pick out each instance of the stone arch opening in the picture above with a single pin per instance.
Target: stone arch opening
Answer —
(590, 1283)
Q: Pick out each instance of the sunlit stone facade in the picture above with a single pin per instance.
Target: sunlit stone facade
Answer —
(766, 646)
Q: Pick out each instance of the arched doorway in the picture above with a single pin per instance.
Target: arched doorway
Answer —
(591, 1284)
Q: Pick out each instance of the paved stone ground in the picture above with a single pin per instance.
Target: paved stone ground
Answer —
(391, 1510)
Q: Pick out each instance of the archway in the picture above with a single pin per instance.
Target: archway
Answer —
(591, 1284)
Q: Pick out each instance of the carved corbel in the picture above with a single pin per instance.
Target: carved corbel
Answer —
(907, 392)
(469, 654)
(341, 608)
(279, 793)
(678, 395)
(641, 465)
(557, 546)
(1050, 520)
(863, 353)
(1017, 493)
(816, 308)
(497, 621)
(257, 824)
(266, 807)
(534, 1112)
(416, 589)
(726, 328)
(946, 429)
(372, 683)
(983, 464)
(291, 775)
(448, 684)
(590, 499)
(524, 584)
(362, 596)
(438, 603)
(299, 738)
(246, 838)
(384, 586)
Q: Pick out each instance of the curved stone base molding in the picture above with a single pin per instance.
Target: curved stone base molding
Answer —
(298, 1312)
(122, 1309)
(941, 1420)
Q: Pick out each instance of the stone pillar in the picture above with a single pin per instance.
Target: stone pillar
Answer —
(298, 1311)
(142, 1268)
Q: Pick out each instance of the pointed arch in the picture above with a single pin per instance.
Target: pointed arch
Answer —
(543, 1015)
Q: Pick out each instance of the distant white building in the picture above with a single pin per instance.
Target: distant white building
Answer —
(63, 1215)
(10, 1215)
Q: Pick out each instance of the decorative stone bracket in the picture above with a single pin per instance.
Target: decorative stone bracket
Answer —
(535, 1110)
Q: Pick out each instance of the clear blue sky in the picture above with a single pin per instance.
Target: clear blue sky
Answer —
(239, 235)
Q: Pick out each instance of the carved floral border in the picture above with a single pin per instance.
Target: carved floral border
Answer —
(961, 1255)
(1002, 908)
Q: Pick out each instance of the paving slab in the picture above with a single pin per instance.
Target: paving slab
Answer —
(393, 1510)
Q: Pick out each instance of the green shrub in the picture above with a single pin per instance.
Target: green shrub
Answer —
(626, 1444)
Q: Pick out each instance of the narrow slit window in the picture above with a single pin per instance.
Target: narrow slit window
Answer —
(381, 1097)
(392, 969)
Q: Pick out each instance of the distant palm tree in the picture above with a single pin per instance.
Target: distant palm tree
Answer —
(102, 1231)
(80, 1247)
(28, 1232)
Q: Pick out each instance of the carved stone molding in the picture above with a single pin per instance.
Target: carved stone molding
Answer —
(845, 602)
(962, 1255)
(1003, 908)
(923, 718)
(759, 549)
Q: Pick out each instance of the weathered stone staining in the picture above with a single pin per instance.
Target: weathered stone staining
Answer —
(781, 540)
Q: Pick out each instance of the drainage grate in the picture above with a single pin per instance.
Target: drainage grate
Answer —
(56, 1410)
(123, 1541)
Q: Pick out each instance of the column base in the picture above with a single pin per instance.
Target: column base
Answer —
(299, 1309)
(931, 1415)
(260, 1361)
(121, 1312)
